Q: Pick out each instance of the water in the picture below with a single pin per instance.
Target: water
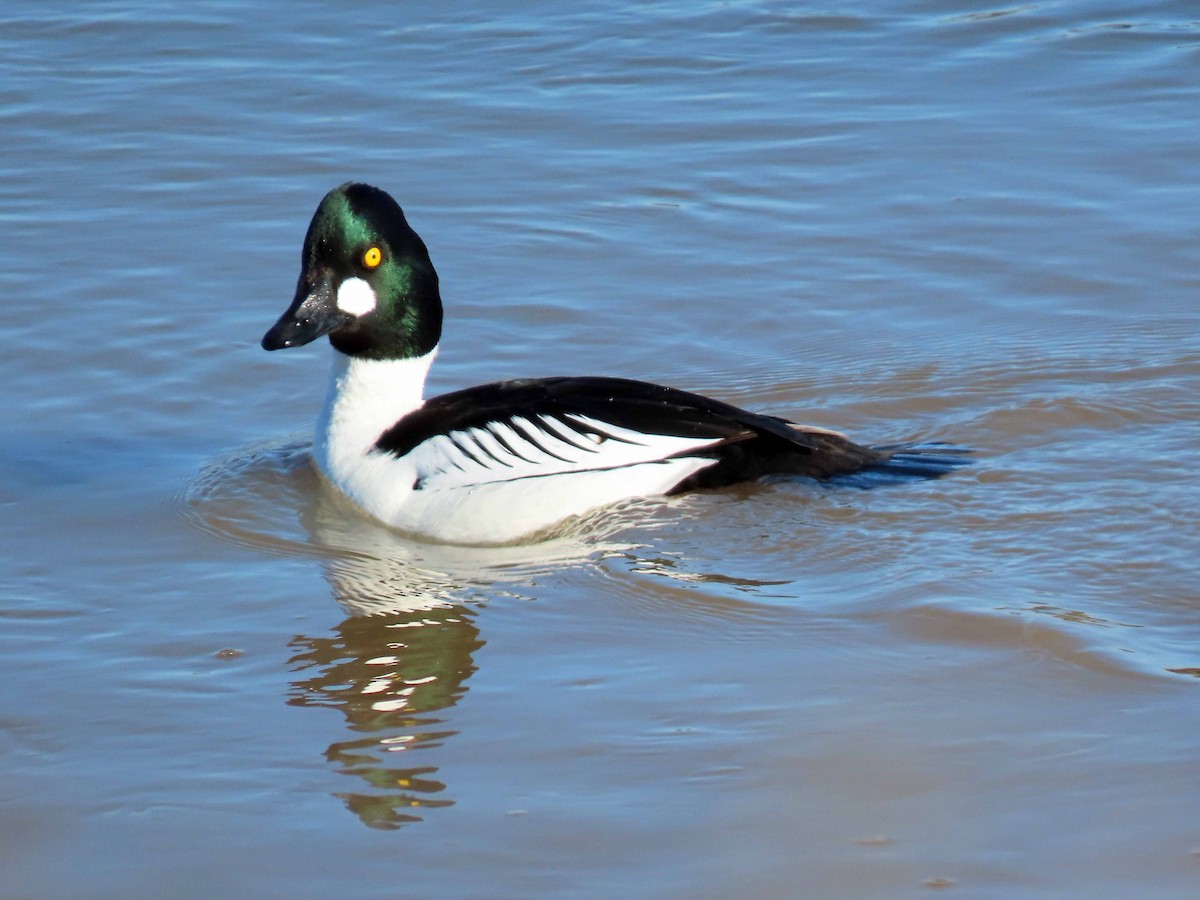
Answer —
(911, 221)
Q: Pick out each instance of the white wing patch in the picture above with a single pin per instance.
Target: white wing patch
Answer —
(526, 447)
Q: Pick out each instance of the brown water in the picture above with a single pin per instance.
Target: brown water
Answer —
(907, 221)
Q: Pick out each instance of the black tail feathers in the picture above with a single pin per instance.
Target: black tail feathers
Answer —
(904, 462)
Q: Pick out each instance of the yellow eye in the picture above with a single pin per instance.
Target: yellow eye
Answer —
(372, 257)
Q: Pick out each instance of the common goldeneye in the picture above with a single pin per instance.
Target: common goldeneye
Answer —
(500, 462)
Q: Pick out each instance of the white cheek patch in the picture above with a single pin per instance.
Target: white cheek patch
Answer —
(356, 297)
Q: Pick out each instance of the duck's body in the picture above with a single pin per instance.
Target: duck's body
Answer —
(502, 461)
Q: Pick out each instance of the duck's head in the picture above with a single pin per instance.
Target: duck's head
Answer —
(365, 280)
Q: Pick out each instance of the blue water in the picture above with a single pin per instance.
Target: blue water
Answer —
(909, 221)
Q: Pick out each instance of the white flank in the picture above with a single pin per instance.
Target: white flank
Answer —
(505, 511)
(356, 297)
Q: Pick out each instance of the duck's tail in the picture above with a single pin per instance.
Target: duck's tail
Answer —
(918, 460)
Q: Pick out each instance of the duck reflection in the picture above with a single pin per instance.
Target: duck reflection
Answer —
(404, 655)
(389, 675)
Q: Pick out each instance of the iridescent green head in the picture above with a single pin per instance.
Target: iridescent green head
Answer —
(365, 280)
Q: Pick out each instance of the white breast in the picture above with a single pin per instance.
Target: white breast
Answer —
(365, 398)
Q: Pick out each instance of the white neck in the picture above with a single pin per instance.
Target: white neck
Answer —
(366, 397)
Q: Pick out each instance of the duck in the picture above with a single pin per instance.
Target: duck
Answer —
(506, 462)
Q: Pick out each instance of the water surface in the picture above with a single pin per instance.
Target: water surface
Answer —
(914, 221)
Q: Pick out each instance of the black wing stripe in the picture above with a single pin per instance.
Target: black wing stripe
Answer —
(555, 425)
(453, 437)
(524, 432)
(477, 436)
(571, 420)
(504, 442)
